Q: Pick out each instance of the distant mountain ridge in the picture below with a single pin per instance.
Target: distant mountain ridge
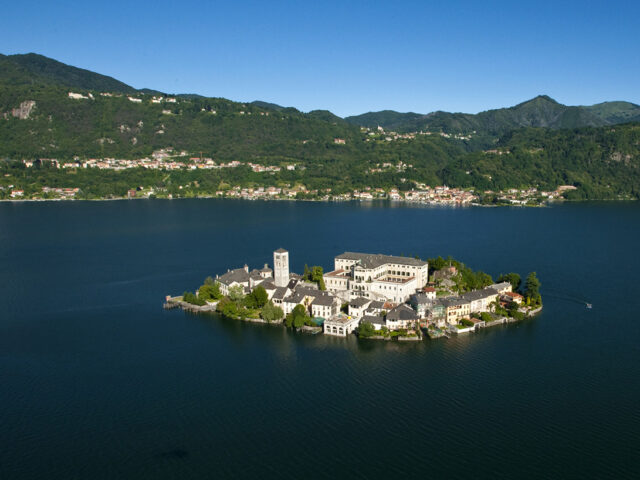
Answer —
(541, 111)
(31, 68)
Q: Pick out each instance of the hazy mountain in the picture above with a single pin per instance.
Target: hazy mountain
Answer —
(616, 112)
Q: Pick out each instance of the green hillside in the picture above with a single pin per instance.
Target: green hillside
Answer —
(61, 127)
(32, 68)
(535, 143)
(388, 119)
(616, 112)
(603, 162)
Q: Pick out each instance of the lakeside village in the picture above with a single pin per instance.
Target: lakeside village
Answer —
(421, 194)
(372, 295)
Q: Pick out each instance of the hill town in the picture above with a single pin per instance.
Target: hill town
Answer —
(420, 193)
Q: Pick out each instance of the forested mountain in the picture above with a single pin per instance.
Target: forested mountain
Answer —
(390, 119)
(31, 68)
(541, 111)
(616, 112)
(56, 126)
(603, 162)
(535, 143)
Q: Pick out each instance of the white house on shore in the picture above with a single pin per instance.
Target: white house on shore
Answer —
(479, 300)
(340, 325)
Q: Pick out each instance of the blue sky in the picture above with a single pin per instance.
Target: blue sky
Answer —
(349, 57)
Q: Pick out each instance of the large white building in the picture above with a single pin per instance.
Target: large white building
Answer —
(376, 276)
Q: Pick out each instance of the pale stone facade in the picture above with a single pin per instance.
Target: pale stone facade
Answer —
(340, 325)
(456, 308)
(479, 300)
(502, 288)
(377, 276)
(281, 267)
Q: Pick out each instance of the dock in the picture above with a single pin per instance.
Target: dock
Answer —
(177, 302)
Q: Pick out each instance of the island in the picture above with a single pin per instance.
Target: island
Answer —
(371, 295)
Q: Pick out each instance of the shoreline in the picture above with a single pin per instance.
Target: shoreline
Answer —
(381, 200)
(421, 334)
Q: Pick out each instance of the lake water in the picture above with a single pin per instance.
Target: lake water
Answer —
(97, 381)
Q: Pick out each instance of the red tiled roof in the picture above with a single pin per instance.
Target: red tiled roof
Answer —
(335, 272)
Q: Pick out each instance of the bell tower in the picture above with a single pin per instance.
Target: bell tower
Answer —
(281, 267)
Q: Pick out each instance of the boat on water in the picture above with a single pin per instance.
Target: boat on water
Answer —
(589, 306)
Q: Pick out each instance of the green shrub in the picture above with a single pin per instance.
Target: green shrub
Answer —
(486, 317)
(191, 298)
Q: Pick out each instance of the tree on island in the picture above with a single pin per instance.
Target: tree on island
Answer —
(257, 298)
(317, 275)
(209, 291)
(314, 274)
(366, 329)
(271, 313)
(236, 293)
(306, 274)
(438, 263)
(297, 318)
(532, 289)
(191, 298)
(486, 317)
(465, 323)
(513, 278)
(227, 308)
(209, 281)
(513, 311)
(467, 279)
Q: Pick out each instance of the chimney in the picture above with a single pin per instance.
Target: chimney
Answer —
(246, 268)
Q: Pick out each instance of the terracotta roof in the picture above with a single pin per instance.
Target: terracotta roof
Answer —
(334, 273)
